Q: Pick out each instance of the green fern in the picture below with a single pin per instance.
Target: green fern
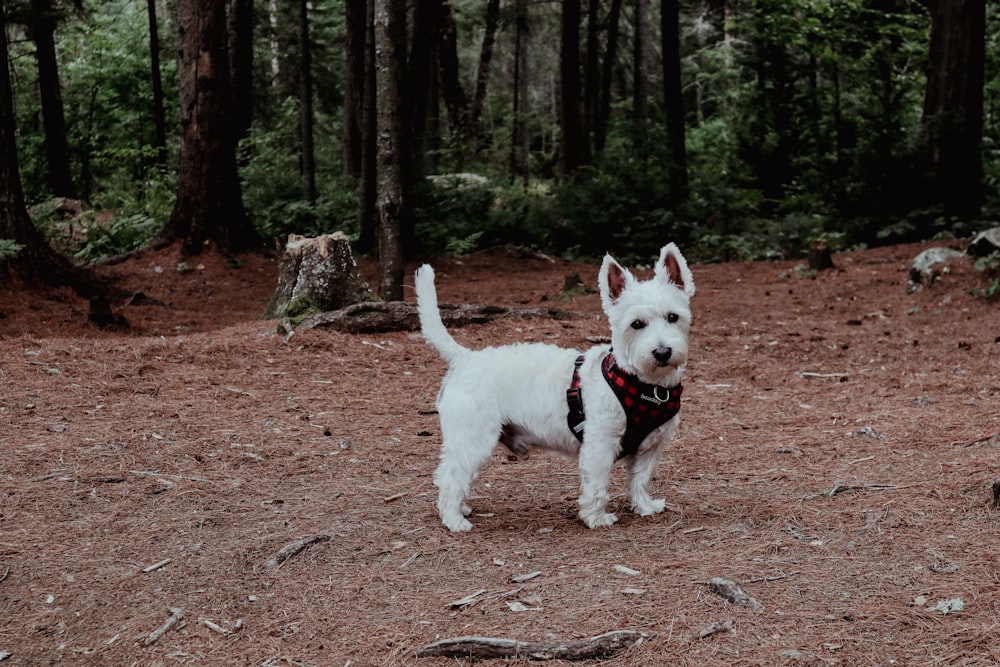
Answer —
(8, 249)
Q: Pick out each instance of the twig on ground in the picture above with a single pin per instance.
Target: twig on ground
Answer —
(156, 566)
(176, 615)
(601, 646)
(289, 550)
(733, 592)
(807, 374)
(840, 488)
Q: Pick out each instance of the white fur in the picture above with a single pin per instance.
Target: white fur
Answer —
(517, 393)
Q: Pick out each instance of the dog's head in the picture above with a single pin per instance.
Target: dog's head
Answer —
(650, 320)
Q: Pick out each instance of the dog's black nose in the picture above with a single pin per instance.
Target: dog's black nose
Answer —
(662, 354)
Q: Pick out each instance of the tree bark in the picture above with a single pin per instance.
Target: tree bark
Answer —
(241, 40)
(209, 204)
(368, 236)
(570, 128)
(308, 167)
(317, 274)
(421, 74)
(43, 29)
(390, 202)
(953, 104)
(156, 77)
(673, 101)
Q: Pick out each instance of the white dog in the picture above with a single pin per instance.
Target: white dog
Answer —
(611, 402)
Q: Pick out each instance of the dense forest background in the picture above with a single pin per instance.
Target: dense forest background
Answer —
(738, 128)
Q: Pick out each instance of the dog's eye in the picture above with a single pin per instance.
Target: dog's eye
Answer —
(638, 324)
(673, 317)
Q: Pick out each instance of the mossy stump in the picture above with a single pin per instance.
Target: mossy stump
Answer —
(318, 271)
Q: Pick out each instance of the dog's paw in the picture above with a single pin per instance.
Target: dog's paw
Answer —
(457, 524)
(599, 520)
(647, 506)
(466, 510)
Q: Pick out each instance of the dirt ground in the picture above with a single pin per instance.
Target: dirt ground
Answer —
(839, 440)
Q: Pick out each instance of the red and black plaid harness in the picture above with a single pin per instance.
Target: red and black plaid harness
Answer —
(645, 410)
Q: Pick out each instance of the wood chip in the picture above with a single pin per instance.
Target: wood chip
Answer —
(626, 571)
(467, 600)
(733, 592)
(521, 578)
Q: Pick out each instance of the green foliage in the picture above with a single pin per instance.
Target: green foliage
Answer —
(123, 234)
(9, 249)
(989, 266)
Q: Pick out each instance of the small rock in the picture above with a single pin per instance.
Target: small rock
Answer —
(927, 265)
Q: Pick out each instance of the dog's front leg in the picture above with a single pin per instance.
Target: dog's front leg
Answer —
(640, 468)
(596, 460)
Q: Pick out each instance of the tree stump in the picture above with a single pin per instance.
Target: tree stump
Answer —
(820, 258)
(316, 275)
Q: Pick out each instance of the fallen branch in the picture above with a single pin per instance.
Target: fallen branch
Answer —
(601, 646)
(381, 316)
(733, 592)
(176, 615)
(290, 550)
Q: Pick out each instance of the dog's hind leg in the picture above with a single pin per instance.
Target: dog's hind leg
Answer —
(640, 470)
(465, 449)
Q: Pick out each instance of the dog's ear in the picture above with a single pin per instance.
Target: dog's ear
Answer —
(613, 280)
(673, 268)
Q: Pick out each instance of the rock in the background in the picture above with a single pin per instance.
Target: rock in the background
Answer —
(985, 243)
(928, 264)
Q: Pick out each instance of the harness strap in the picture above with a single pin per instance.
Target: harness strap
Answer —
(645, 408)
(574, 397)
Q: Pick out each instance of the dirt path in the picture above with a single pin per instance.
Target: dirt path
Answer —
(838, 444)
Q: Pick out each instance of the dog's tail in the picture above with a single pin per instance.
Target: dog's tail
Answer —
(430, 316)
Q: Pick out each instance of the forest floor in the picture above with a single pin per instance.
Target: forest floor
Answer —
(839, 439)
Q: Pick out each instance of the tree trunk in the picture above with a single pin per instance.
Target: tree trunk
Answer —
(209, 204)
(306, 106)
(367, 238)
(571, 139)
(421, 73)
(241, 64)
(591, 78)
(610, 53)
(673, 101)
(36, 259)
(455, 99)
(483, 71)
(953, 104)
(159, 111)
(519, 163)
(356, 31)
(639, 93)
(56, 147)
(390, 203)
